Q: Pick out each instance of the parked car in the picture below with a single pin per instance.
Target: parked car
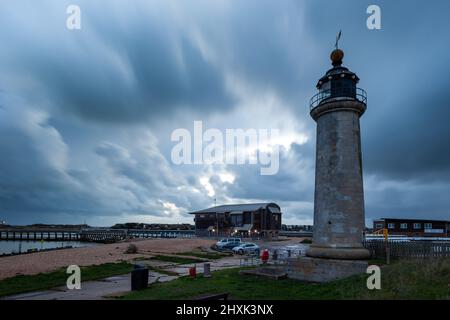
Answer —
(228, 243)
(246, 247)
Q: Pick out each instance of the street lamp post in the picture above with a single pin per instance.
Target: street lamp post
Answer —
(217, 219)
(217, 225)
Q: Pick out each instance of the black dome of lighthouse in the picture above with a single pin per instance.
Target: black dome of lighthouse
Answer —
(337, 83)
(341, 76)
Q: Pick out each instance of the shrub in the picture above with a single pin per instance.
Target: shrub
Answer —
(132, 248)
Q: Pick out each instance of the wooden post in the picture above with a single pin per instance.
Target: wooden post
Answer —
(388, 254)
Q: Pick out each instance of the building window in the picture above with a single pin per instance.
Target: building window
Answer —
(236, 220)
(379, 225)
(391, 225)
(417, 225)
(403, 226)
(428, 225)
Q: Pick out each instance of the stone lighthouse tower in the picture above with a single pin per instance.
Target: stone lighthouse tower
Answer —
(339, 197)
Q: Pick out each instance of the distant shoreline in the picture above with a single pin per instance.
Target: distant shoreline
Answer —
(29, 251)
(20, 247)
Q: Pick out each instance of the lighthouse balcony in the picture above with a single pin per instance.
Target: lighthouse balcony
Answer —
(338, 94)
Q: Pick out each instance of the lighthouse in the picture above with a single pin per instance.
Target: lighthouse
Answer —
(339, 196)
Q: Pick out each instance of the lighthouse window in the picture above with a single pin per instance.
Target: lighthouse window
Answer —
(343, 88)
(326, 86)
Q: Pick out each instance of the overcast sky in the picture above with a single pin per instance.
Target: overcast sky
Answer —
(86, 115)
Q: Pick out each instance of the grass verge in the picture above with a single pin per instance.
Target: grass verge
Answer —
(400, 280)
(205, 255)
(43, 281)
(162, 271)
(175, 259)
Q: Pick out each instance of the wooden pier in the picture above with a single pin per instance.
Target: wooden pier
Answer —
(37, 235)
(102, 235)
(161, 233)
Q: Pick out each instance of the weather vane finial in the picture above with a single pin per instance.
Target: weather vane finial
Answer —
(337, 39)
(337, 55)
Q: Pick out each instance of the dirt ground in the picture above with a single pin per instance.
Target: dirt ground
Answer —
(48, 261)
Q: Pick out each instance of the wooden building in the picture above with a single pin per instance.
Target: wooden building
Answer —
(414, 227)
(244, 220)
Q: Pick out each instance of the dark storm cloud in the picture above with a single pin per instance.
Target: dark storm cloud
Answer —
(405, 131)
(135, 66)
(111, 69)
(293, 182)
(413, 137)
(32, 162)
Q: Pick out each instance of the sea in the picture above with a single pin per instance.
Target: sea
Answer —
(13, 246)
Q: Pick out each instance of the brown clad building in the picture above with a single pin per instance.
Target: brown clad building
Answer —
(413, 227)
(262, 219)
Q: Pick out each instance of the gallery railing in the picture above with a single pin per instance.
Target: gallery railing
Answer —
(343, 93)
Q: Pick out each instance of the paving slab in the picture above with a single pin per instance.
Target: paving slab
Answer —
(225, 263)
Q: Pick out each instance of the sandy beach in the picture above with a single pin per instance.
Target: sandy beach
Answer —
(48, 261)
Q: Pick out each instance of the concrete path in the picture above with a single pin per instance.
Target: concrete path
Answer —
(229, 262)
(92, 290)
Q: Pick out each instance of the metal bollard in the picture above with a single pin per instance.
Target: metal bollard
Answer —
(139, 278)
(193, 272)
(207, 270)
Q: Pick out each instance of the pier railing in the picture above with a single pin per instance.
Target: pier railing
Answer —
(102, 235)
(37, 235)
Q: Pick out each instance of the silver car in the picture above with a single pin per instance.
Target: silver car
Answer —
(228, 243)
(246, 247)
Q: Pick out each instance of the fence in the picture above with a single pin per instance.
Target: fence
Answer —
(410, 249)
(282, 256)
(279, 256)
(136, 233)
